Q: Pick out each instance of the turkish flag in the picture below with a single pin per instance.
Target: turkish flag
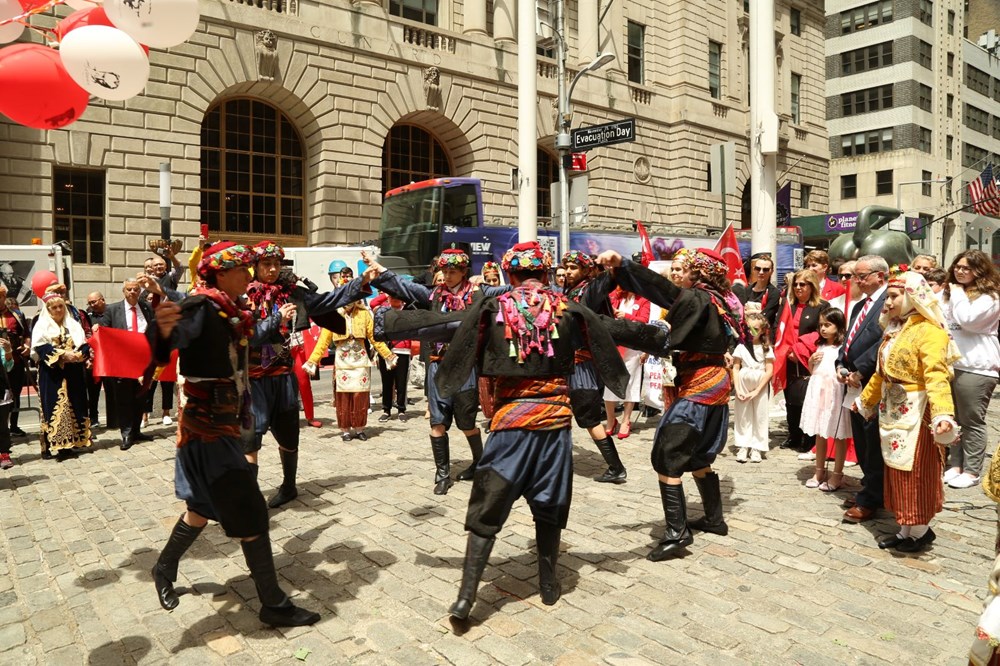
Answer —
(168, 372)
(730, 251)
(647, 247)
(119, 353)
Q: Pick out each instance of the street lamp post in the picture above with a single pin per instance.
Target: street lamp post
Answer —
(564, 142)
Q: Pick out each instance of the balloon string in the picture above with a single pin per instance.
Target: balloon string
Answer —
(23, 18)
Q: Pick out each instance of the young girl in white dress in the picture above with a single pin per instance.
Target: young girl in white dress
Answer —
(752, 371)
(823, 413)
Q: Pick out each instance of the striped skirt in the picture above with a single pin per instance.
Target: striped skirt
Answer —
(352, 408)
(918, 495)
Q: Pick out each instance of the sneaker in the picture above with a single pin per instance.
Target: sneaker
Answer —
(741, 454)
(384, 418)
(964, 480)
(755, 456)
(5, 461)
(167, 420)
(850, 464)
(402, 416)
(951, 474)
(808, 455)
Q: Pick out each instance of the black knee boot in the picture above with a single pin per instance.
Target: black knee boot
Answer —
(442, 465)
(289, 467)
(547, 544)
(476, 445)
(677, 536)
(616, 470)
(276, 609)
(165, 569)
(254, 470)
(711, 501)
(477, 553)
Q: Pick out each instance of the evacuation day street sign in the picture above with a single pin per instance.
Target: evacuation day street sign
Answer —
(620, 131)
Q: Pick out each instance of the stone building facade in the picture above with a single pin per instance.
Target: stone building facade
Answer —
(340, 80)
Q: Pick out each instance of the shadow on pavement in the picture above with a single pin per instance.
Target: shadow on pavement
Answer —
(18, 480)
(127, 650)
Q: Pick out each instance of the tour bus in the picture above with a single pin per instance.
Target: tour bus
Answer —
(420, 219)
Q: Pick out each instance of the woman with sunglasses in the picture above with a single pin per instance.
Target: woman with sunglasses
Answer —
(971, 305)
(760, 290)
(795, 343)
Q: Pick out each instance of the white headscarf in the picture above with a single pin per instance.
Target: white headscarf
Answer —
(918, 298)
(47, 331)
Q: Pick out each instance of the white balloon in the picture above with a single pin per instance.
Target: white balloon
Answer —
(83, 4)
(11, 31)
(105, 62)
(158, 23)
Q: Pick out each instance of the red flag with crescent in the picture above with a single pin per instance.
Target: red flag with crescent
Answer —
(730, 251)
(647, 247)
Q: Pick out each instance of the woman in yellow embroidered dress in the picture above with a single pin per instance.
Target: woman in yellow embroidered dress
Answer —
(912, 391)
(352, 378)
(62, 350)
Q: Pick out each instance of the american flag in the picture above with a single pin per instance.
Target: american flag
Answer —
(985, 194)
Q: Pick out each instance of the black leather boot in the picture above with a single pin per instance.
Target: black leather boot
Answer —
(289, 468)
(276, 609)
(711, 501)
(254, 470)
(165, 569)
(677, 536)
(477, 553)
(616, 470)
(476, 445)
(442, 464)
(547, 544)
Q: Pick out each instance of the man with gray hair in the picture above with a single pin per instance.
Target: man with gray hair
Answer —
(855, 366)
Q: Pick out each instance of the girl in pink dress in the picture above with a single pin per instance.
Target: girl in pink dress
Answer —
(823, 412)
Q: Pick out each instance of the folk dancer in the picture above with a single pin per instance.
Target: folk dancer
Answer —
(273, 384)
(212, 331)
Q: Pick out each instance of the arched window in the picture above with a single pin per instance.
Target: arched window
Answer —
(411, 154)
(252, 173)
(548, 174)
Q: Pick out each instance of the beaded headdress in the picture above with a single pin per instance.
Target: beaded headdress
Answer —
(581, 259)
(268, 250)
(526, 257)
(223, 256)
(705, 261)
(453, 258)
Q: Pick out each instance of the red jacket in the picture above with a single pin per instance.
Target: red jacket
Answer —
(832, 290)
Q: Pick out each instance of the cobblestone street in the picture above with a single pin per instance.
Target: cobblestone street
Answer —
(378, 555)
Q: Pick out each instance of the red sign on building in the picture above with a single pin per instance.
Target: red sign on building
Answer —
(579, 162)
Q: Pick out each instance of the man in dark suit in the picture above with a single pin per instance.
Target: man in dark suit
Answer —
(97, 313)
(855, 366)
(130, 314)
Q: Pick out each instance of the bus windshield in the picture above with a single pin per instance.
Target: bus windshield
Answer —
(410, 231)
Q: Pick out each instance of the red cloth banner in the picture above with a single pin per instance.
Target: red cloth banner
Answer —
(168, 372)
(647, 247)
(119, 353)
(730, 251)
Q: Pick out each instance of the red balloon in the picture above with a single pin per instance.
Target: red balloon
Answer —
(37, 90)
(42, 280)
(89, 16)
(28, 5)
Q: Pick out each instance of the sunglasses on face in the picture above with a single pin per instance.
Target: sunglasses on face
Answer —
(801, 284)
(758, 269)
(846, 275)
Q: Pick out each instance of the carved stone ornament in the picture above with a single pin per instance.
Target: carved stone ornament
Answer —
(432, 88)
(641, 169)
(266, 46)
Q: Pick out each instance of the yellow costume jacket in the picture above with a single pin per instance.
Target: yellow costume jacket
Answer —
(353, 369)
(917, 361)
(911, 376)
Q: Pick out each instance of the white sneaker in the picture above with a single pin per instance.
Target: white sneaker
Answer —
(755, 456)
(167, 420)
(964, 480)
(848, 463)
(808, 455)
(741, 454)
(951, 474)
